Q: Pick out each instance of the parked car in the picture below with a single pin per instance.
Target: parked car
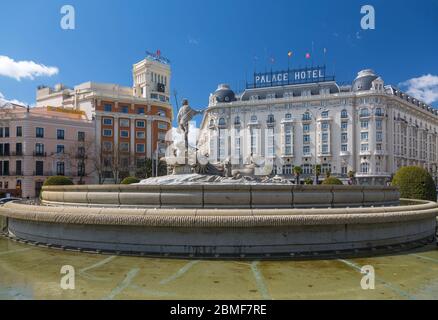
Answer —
(6, 200)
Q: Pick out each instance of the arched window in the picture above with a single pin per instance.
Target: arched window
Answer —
(344, 114)
(271, 118)
(222, 121)
(211, 122)
(324, 114)
(253, 118)
(288, 116)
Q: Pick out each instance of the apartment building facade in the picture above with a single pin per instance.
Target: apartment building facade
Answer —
(36, 143)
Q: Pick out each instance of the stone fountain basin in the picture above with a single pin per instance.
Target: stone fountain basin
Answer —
(217, 221)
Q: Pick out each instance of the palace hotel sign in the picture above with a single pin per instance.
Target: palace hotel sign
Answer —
(295, 76)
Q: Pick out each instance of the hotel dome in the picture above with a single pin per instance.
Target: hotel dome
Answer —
(364, 80)
(224, 94)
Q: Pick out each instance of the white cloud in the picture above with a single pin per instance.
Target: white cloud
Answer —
(423, 88)
(24, 69)
(4, 101)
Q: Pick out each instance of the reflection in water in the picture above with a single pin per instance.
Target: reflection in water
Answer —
(34, 273)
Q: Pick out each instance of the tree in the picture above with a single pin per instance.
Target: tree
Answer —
(308, 181)
(298, 171)
(415, 183)
(80, 158)
(332, 181)
(317, 173)
(145, 168)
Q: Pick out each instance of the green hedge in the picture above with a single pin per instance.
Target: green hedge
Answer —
(58, 181)
(332, 181)
(130, 180)
(415, 183)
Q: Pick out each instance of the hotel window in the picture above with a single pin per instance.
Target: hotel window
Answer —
(364, 125)
(222, 122)
(271, 142)
(140, 124)
(107, 146)
(379, 136)
(60, 149)
(271, 119)
(154, 96)
(324, 148)
(306, 150)
(1, 132)
(379, 124)
(344, 137)
(325, 126)
(344, 114)
(124, 109)
(287, 169)
(124, 133)
(221, 144)
(364, 167)
(324, 114)
(81, 136)
(344, 170)
(19, 131)
(6, 132)
(140, 134)
(288, 116)
(253, 118)
(162, 125)
(377, 167)
(306, 116)
(364, 147)
(270, 96)
(306, 138)
(108, 121)
(364, 136)
(326, 167)
(140, 147)
(324, 137)
(344, 126)
(124, 146)
(124, 123)
(253, 139)
(161, 113)
(237, 120)
(364, 112)
(107, 107)
(379, 112)
(344, 147)
(306, 127)
(107, 133)
(237, 143)
(39, 132)
(60, 168)
(379, 147)
(307, 168)
(140, 110)
(81, 169)
(60, 133)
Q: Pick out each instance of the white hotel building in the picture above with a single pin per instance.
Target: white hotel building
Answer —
(303, 118)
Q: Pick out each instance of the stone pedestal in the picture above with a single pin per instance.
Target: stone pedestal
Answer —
(182, 169)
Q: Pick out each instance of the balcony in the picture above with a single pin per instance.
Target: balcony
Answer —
(17, 153)
(16, 173)
(39, 154)
(345, 153)
(365, 153)
(43, 173)
(270, 123)
(5, 154)
(379, 152)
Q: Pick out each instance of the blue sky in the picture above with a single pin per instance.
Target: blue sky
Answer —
(211, 42)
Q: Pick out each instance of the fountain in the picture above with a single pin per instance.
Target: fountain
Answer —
(203, 211)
